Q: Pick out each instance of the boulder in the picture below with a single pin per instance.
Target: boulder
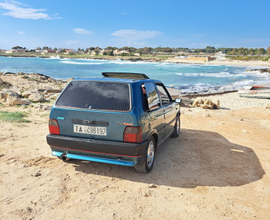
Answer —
(1, 81)
(206, 103)
(5, 94)
(216, 103)
(26, 94)
(13, 100)
(206, 106)
(36, 97)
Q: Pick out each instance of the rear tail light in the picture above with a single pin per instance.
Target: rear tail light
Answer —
(54, 127)
(133, 134)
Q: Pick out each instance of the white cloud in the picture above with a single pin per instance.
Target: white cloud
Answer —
(21, 32)
(134, 35)
(19, 10)
(124, 13)
(71, 42)
(82, 31)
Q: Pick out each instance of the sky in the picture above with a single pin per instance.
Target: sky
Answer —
(140, 23)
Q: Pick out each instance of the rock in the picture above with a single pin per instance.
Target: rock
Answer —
(216, 103)
(26, 94)
(43, 107)
(206, 115)
(206, 103)
(267, 106)
(36, 97)
(15, 100)
(25, 102)
(8, 93)
(20, 73)
(152, 186)
(1, 81)
(53, 91)
(205, 106)
(36, 174)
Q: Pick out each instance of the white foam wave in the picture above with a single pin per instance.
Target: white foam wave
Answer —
(79, 63)
(208, 88)
(218, 75)
(55, 57)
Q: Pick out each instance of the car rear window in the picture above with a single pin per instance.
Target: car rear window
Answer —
(96, 96)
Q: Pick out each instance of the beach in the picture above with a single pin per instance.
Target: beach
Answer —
(218, 168)
(225, 62)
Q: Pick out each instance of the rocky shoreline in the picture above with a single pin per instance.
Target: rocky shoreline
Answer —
(34, 89)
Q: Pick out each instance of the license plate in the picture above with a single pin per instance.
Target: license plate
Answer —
(83, 129)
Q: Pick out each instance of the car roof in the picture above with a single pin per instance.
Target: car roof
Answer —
(130, 81)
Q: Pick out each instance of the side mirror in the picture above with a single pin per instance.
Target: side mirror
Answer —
(178, 101)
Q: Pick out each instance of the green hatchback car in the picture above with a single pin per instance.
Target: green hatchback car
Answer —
(119, 119)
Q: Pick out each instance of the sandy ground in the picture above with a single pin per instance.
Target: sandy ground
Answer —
(219, 168)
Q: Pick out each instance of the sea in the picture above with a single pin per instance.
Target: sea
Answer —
(190, 78)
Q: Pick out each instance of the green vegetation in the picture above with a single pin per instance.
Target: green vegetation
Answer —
(13, 117)
(161, 53)
(46, 115)
(249, 58)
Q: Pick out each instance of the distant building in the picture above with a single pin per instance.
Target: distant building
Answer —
(119, 52)
(16, 51)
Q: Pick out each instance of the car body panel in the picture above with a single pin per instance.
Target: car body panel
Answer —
(111, 148)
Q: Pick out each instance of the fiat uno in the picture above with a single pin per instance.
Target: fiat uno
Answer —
(119, 119)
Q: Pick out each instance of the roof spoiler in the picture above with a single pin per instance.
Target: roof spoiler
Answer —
(125, 75)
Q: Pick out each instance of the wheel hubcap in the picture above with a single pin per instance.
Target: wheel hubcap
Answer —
(178, 126)
(150, 154)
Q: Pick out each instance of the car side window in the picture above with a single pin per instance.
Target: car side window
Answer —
(150, 96)
(164, 97)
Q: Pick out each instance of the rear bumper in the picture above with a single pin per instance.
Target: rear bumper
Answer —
(120, 153)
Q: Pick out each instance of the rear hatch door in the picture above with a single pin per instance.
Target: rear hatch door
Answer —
(94, 109)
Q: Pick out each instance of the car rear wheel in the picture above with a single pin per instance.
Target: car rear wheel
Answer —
(176, 131)
(147, 161)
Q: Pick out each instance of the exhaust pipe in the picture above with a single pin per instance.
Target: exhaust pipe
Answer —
(64, 157)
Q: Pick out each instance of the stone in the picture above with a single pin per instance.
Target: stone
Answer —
(216, 104)
(5, 94)
(36, 174)
(36, 97)
(13, 100)
(43, 107)
(26, 94)
(1, 81)
(205, 106)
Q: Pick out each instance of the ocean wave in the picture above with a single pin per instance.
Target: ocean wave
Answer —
(217, 74)
(209, 88)
(55, 57)
(79, 63)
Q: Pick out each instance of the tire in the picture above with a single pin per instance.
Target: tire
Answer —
(147, 161)
(176, 131)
